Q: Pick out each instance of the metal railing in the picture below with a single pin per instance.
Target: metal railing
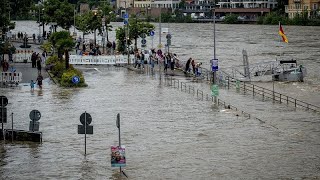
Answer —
(265, 93)
(182, 86)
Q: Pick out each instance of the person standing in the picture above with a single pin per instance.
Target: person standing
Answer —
(193, 64)
(33, 59)
(32, 85)
(39, 80)
(39, 64)
(187, 70)
(44, 56)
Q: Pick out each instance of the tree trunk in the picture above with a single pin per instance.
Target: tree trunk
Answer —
(135, 43)
(66, 54)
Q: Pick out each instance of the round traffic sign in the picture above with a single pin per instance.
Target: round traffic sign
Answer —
(143, 41)
(168, 36)
(85, 117)
(151, 33)
(35, 115)
(75, 79)
(3, 101)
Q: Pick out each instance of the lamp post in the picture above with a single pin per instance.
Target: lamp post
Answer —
(39, 3)
(214, 51)
(127, 32)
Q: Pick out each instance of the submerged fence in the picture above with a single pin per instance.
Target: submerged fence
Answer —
(184, 87)
(225, 80)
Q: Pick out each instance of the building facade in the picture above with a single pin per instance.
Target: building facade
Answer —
(270, 4)
(297, 7)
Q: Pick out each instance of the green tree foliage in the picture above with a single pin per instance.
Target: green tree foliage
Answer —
(62, 75)
(59, 12)
(89, 22)
(63, 42)
(136, 29)
(20, 8)
(121, 39)
(231, 19)
(4, 15)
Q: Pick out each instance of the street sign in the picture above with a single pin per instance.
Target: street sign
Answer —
(168, 36)
(3, 101)
(143, 41)
(75, 79)
(169, 42)
(214, 64)
(126, 17)
(215, 90)
(4, 115)
(143, 45)
(89, 129)
(35, 115)
(88, 118)
(118, 120)
(34, 126)
(151, 33)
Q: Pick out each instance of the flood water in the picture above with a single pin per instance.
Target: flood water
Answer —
(171, 134)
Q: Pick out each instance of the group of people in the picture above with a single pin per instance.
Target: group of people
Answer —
(196, 67)
(93, 50)
(168, 60)
(36, 62)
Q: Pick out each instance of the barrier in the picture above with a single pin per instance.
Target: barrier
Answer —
(21, 55)
(105, 60)
(11, 77)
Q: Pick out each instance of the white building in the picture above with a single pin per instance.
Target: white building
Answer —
(171, 4)
(247, 4)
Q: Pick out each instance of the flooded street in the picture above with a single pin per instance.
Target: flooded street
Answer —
(170, 134)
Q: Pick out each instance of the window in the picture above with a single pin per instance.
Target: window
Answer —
(315, 7)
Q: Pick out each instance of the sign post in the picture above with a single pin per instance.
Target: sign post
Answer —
(214, 68)
(4, 102)
(118, 153)
(85, 128)
(152, 36)
(34, 115)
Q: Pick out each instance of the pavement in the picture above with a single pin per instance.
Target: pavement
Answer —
(28, 73)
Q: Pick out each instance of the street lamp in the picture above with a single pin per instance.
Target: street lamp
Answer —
(127, 32)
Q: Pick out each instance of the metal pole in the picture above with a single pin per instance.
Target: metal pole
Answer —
(118, 124)
(2, 118)
(12, 127)
(160, 27)
(273, 89)
(39, 26)
(74, 20)
(85, 133)
(214, 49)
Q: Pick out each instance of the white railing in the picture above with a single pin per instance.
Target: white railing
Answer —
(22, 55)
(11, 77)
(107, 60)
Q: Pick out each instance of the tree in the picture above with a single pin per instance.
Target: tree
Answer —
(89, 22)
(4, 16)
(63, 42)
(59, 12)
(137, 28)
(20, 8)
